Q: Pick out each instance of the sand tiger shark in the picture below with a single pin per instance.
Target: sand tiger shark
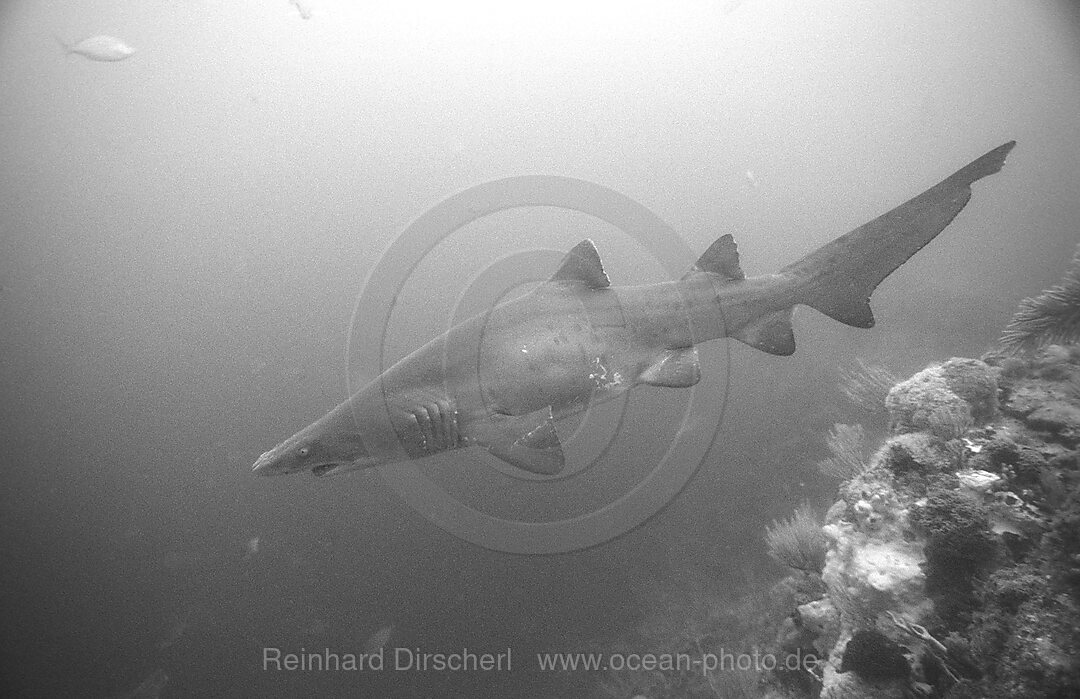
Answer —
(501, 379)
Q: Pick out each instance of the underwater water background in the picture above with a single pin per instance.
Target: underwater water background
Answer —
(184, 234)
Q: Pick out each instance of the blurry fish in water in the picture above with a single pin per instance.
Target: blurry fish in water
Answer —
(752, 179)
(252, 547)
(11, 292)
(730, 6)
(177, 628)
(151, 687)
(317, 628)
(378, 640)
(99, 48)
(303, 7)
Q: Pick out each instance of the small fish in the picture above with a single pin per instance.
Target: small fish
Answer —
(317, 628)
(752, 179)
(728, 7)
(178, 626)
(303, 7)
(252, 547)
(378, 640)
(99, 48)
(151, 687)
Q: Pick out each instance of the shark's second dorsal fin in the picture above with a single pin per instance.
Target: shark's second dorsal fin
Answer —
(582, 264)
(722, 259)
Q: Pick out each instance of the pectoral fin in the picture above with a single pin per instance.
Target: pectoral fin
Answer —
(528, 441)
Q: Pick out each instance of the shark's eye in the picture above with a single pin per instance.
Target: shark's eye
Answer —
(303, 451)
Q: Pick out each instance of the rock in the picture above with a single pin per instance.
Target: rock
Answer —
(977, 482)
(850, 686)
(976, 383)
(867, 576)
(1057, 417)
(925, 403)
(891, 568)
(915, 453)
(944, 400)
(874, 657)
(821, 618)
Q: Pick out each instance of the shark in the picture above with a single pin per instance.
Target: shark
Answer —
(502, 379)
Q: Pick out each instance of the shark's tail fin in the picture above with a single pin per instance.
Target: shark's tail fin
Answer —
(838, 278)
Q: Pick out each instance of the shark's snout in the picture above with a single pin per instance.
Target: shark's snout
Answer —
(262, 465)
(286, 458)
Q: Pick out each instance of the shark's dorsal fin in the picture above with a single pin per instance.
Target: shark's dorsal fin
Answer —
(677, 368)
(770, 333)
(722, 259)
(582, 264)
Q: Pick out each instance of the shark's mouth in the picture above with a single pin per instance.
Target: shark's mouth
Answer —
(323, 469)
(338, 467)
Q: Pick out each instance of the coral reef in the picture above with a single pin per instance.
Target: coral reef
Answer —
(948, 566)
(958, 545)
(944, 400)
(953, 562)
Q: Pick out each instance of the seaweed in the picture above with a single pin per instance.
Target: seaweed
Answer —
(1052, 317)
(845, 443)
(866, 387)
(798, 542)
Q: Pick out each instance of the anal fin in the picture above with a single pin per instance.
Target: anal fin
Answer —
(674, 369)
(528, 441)
(771, 333)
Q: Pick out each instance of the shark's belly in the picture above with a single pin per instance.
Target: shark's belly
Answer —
(561, 362)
